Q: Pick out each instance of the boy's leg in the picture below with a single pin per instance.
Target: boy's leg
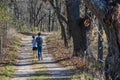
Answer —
(41, 53)
(34, 53)
(38, 53)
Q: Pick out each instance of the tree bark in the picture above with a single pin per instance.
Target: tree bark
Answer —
(108, 14)
(49, 23)
(76, 26)
(100, 45)
(53, 22)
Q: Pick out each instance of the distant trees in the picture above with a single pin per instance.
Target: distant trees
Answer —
(29, 14)
(57, 8)
(35, 13)
(5, 28)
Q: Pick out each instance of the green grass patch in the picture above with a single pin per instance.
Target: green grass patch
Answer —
(83, 76)
(13, 50)
(6, 72)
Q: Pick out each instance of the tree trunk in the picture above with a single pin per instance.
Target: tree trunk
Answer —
(53, 22)
(76, 26)
(63, 32)
(100, 45)
(108, 15)
(49, 23)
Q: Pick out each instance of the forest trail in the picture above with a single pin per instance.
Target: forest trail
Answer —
(26, 67)
(24, 62)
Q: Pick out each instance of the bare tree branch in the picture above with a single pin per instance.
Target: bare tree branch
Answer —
(61, 16)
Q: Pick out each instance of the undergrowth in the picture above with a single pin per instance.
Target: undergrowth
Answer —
(86, 69)
(9, 57)
(62, 54)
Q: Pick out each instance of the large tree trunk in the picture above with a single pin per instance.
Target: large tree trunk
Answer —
(109, 15)
(77, 29)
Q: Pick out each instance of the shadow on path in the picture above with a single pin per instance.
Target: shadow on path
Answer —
(25, 68)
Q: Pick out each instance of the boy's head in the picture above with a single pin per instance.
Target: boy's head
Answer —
(39, 34)
(33, 36)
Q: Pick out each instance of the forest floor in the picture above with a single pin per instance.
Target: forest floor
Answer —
(28, 68)
(82, 68)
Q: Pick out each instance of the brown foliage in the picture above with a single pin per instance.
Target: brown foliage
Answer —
(56, 47)
(10, 47)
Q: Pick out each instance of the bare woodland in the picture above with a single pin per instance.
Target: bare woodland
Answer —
(78, 21)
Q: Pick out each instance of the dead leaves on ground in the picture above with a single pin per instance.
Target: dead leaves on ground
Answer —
(56, 47)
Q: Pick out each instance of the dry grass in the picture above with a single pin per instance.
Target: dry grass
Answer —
(9, 54)
(62, 54)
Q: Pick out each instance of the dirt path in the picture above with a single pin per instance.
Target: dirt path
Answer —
(55, 70)
(25, 67)
(24, 62)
